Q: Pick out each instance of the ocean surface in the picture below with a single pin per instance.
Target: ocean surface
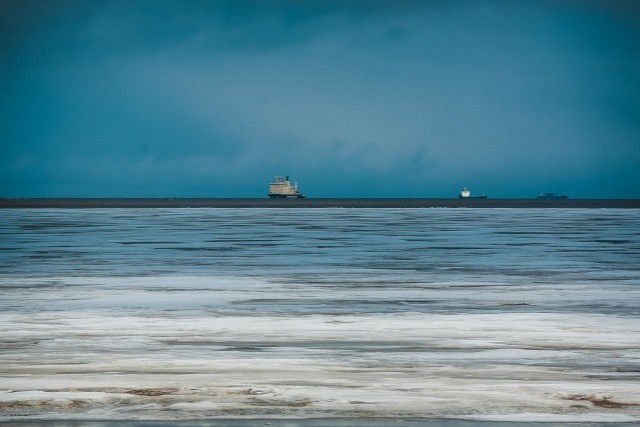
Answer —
(314, 203)
(427, 314)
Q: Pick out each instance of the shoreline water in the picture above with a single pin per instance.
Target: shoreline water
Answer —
(383, 317)
(303, 422)
(97, 203)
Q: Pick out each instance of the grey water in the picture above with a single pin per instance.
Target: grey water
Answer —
(528, 315)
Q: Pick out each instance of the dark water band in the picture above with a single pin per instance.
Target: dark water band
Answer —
(80, 203)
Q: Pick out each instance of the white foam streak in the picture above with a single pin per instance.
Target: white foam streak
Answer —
(381, 365)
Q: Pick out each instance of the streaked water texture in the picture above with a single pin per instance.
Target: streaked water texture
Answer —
(481, 314)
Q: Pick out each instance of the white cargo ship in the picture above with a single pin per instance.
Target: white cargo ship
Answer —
(465, 193)
(283, 189)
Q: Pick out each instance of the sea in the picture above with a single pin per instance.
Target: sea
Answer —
(319, 316)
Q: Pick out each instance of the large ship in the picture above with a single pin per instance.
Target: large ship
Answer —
(283, 189)
(552, 196)
(465, 193)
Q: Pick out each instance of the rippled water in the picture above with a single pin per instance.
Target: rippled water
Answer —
(482, 314)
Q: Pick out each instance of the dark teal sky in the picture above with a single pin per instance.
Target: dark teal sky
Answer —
(351, 98)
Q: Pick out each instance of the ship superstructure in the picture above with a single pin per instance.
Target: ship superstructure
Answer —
(282, 188)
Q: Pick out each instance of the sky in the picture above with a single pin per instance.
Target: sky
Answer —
(140, 98)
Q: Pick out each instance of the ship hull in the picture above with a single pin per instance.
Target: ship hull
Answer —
(552, 196)
(287, 196)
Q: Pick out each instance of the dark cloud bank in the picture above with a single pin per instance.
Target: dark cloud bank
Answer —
(354, 99)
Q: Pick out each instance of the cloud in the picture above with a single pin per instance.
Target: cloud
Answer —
(353, 98)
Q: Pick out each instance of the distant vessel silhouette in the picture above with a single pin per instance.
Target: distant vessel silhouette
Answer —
(465, 193)
(283, 189)
(552, 196)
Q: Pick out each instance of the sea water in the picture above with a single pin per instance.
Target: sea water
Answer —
(186, 314)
